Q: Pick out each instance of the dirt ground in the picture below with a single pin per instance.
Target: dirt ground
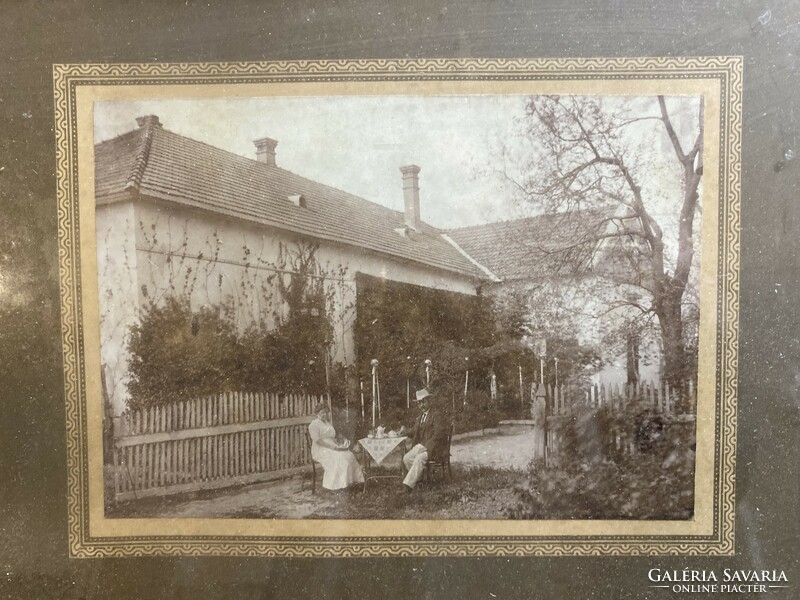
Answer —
(292, 498)
(510, 449)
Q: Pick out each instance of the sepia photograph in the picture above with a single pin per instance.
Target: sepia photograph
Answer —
(399, 307)
(407, 299)
(392, 307)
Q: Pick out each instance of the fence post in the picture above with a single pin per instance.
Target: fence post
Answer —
(667, 398)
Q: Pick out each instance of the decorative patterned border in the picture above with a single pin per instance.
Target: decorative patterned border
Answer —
(67, 79)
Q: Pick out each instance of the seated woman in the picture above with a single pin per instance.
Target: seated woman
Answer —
(340, 466)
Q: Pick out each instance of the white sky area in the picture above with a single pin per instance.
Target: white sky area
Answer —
(358, 143)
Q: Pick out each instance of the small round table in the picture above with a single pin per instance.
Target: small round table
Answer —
(376, 449)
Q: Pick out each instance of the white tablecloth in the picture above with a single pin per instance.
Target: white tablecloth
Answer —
(380, 448)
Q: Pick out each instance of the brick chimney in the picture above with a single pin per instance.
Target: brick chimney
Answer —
(149, 120)
(265, 150)
(411, 196)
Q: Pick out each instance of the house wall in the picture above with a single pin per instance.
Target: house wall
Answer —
(118, 292)
(215, 261)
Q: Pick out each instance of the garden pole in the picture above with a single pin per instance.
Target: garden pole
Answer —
(361, 385)
(521, 392)
(466, 380)
(374, 364)
(427, 373)
(328, 382)
(546, 429)
(556, 361)
(378, 385)
(408, 382)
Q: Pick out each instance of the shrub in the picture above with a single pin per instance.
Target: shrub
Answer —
(178, 354)
(478, 413)
(402, 325)
(288, 358)
(594, 481)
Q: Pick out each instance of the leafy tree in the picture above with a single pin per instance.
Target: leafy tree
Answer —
(585, 153)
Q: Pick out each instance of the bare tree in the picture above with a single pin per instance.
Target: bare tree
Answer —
(586, 153)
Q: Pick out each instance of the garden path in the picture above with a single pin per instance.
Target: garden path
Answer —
(510, 449)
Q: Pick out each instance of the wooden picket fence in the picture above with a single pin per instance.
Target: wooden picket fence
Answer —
(650, 396)
(653, 395)
(209, 443)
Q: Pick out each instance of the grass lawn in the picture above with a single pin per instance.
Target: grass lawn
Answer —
(657, 484)
(479, 493)
(472, 493)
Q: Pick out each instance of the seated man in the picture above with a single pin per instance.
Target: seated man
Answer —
(429, 439)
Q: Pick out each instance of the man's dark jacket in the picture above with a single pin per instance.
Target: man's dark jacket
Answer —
(432, 434)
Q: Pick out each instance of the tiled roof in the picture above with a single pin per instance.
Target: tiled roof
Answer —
(533, 247)
(161, 164)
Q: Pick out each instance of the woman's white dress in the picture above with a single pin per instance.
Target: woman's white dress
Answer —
(341, 468)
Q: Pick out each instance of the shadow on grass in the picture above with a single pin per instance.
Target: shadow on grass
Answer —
(472, 493)
(477, 493)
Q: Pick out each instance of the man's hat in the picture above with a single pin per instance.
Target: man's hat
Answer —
(422, 394)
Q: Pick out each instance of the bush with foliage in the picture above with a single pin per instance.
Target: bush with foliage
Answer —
(593, 480)
(291, 357)
(402, 325)
(479, 412)
(179, 354)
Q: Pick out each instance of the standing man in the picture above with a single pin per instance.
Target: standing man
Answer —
(429, 439)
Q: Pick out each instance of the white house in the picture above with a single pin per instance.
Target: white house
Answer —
(178, 216)
(175, 215)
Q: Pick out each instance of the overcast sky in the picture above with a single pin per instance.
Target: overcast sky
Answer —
(358, 143)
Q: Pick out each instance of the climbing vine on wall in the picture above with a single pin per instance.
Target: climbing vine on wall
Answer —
(273, 329)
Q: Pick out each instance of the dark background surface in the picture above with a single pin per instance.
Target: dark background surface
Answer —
(33, 35)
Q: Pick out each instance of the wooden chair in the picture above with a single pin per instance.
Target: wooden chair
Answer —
(443, 461)
(314, 464)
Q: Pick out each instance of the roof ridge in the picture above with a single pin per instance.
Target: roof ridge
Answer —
(313, 182)
(140, 162)
(171, 166)
(511, 220)
(517, 220)
(486, 271)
